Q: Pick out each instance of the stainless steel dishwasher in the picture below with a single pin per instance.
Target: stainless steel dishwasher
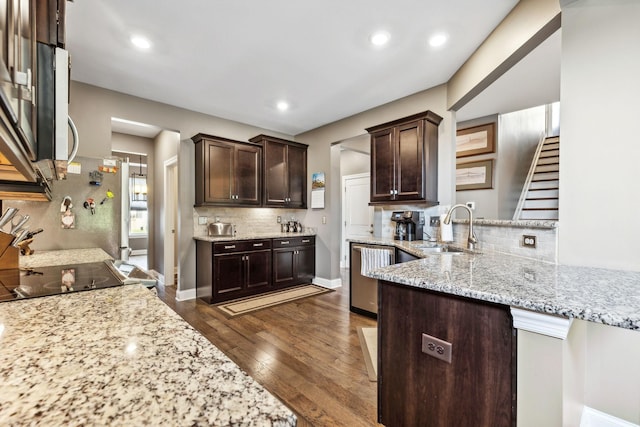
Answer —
(363, 291)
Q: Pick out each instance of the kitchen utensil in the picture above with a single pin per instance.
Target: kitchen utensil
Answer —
(220, 229)
(21, 234)
(17, 225)
(7, 216)
(33, 233)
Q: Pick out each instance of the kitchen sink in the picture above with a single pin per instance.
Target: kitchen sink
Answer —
(440, 249)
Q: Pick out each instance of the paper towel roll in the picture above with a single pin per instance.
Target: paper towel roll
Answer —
(446, 230)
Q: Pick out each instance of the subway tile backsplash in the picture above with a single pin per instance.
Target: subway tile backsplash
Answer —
(246, 220)
(508, 239)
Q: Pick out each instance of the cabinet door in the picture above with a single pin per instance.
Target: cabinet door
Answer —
(228, 276)
(297, 177)
(24, 73)
(258, 270)
(382, 165)
(218, 172)
(275, 173)
(248, 187)
(476, 389)
(305, 264)
(284, 273)
(410, 161)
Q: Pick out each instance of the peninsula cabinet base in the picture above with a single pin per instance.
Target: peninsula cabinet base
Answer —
(478, 387)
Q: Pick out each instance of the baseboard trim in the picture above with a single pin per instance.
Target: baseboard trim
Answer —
(594, 418)
(186, 295)
(327, 283)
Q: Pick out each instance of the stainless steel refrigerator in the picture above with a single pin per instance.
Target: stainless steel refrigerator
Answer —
(96, 197)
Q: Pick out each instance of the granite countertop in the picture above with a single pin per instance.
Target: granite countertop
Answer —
(120, 356)
(611, 297)
(256, 235)
(63, 257)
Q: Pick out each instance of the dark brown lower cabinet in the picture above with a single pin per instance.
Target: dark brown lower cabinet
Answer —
(232, 269)
(239, 268)
(294, 261)
(478, 387)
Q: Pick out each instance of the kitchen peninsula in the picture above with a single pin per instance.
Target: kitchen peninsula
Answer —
(518, 327)
(119, 356)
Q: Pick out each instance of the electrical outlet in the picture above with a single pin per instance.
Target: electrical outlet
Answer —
(471, 205)
(529, 241)
(434, 221)
(202, 220)
(324, 219)
(436, 347)
(279, 219)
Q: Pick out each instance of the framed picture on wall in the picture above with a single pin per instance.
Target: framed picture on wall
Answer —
(474, 175)
(476, 140)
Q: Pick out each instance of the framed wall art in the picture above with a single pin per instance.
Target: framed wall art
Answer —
(474, 175)
(476, 140)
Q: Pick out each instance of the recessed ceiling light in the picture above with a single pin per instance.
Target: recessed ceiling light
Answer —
(141, 42)
(380, 38)
(438, 40)
(282, 105)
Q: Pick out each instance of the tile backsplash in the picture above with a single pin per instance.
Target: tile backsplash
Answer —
(246, 220)
(507, 237)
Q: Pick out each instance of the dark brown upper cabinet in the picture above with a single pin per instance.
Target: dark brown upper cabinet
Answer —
(285, 172)
(404, 160)
(50, 15)
(228, 173)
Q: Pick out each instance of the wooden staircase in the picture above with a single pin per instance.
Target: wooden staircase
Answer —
(539, 198)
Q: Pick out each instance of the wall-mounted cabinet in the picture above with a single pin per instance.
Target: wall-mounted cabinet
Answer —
(285, 172)
(404, 160)
(228, 173)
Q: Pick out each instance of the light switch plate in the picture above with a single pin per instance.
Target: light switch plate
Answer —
(202, 220)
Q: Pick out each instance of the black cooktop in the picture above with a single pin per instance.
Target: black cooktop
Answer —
(62, 279)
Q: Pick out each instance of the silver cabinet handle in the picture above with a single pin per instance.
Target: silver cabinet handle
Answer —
(230, 247)
(257, 245)
(284, 243)
(306, 240)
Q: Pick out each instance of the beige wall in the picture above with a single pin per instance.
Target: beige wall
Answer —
(324, 157)
(599, 170)
(92, 109)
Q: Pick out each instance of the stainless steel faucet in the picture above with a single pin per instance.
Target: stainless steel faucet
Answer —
(472, 239)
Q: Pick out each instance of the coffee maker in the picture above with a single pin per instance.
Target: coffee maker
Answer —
(409, 225)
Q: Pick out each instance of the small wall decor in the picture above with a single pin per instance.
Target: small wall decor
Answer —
(317, 190)
(474, 175)
(476, 140)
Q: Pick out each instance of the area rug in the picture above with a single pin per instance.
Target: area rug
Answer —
(369, 343)
(247, 305)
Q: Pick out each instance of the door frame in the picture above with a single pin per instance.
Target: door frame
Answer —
(170, 213)
(343, 226)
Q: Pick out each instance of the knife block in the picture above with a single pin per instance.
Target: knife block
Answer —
(8, 253)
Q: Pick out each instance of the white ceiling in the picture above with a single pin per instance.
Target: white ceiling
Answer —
(236, 59)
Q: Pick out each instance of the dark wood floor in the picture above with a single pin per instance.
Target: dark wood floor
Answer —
(305, 352)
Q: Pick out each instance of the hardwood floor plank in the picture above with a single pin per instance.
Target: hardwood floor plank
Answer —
(305, 352)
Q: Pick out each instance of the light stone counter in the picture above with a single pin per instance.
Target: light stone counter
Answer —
(120, 357)
(610, 297)
(63, 257)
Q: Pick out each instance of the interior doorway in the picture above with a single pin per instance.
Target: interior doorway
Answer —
(170, 209)
(357, 215)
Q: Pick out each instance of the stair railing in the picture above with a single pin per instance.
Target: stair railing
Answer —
(527, 182)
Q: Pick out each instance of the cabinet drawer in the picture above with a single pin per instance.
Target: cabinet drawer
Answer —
(294, 241)
(240, 246)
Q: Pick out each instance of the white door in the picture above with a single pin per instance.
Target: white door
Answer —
(171, 217)
(357, 215)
